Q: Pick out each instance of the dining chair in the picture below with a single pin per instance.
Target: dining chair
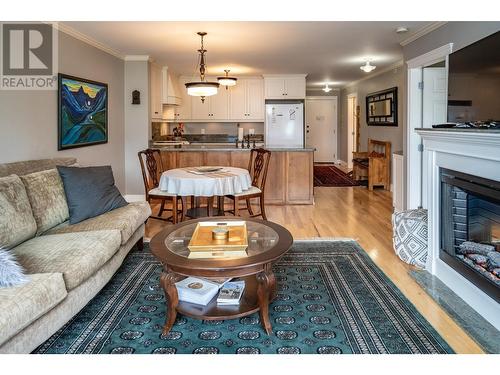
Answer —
(257, 167)
(152, 168)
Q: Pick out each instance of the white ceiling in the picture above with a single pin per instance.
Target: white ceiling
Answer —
(326, 51)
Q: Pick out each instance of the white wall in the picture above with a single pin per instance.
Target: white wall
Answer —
(137, 123)
(28, 119)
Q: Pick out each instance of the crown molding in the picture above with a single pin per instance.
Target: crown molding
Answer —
(381, 71)
(137, 58)
(86, 39)
(421, 32)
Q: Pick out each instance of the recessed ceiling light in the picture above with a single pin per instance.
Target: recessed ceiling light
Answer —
(327, 88)
(367, 68)
(401, 29)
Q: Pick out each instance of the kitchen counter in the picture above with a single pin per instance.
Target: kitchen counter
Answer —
(455, 130)
(289, 178)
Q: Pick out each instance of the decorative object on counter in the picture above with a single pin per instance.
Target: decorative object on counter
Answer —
(248, 141)
(136, 97)
(240, 133)
(178, 131)
(82, 112)
(227, 80)
(382, 108)
(202, 88)
(410, 236)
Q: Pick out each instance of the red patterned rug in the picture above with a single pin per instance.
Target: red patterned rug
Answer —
(331, 176)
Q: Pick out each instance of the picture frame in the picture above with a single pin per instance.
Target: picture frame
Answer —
(82, 108)
(382, 108)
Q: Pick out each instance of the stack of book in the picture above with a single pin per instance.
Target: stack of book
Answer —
(225, 239)
(230, 293)
(197, 290)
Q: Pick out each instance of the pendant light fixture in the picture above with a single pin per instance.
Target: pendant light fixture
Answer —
(202, 87)
(367, 68)
(226, 80)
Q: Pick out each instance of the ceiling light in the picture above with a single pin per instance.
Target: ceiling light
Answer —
(326, 88)
(226, 80)
(202, 88)
(401, 29)
(367, 68)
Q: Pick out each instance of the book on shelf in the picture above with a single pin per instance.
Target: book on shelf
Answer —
(230, 293)
(198, 290)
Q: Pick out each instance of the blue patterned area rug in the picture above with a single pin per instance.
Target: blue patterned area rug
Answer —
(331, 299)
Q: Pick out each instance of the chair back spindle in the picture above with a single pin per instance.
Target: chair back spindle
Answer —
(151, 167)
(258, 165)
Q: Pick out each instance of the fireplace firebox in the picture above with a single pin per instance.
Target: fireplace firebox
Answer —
(470, 228)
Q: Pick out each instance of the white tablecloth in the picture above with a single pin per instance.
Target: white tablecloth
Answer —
(228, 181)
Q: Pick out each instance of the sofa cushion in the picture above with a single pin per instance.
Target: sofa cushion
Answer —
(90, 192)
(21, 305)
(11, 273)
(125, 219)
(76, 255)
(17, 223)
(48, 201)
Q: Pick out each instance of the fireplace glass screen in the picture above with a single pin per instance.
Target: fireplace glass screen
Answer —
(470, 228)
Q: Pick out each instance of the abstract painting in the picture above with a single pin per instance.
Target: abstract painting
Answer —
(83, 112)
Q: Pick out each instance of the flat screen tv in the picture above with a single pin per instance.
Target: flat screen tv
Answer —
(474, 82)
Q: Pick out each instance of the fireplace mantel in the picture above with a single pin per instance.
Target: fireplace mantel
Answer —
(477, 153)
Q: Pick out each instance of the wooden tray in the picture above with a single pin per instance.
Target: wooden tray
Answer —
(202, 237)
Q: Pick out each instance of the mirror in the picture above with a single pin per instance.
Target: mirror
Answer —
(382, 108)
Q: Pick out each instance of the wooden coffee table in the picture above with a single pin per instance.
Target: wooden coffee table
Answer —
(267, 242)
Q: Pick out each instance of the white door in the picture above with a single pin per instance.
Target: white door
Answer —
(321, 127)
(351, 128)
(435, 96)
(255, 99)
(238, 104)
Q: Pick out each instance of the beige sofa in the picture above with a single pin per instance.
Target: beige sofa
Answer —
(67, 264)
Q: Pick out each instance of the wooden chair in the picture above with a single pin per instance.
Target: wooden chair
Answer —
(374, 165)
(152, 168)
(257, 167)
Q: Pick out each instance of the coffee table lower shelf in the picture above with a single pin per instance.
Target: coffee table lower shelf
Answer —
(248, 305)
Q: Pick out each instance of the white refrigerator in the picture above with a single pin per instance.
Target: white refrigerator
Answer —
(284, 126)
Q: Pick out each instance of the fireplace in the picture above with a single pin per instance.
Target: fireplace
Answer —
(470, 228)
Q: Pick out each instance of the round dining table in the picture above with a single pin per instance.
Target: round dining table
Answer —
(197, 182)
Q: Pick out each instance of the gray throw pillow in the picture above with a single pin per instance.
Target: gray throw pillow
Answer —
(11, 273)
(90, 191)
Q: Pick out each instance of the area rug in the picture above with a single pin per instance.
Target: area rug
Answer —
(331, 176)
(332, 299)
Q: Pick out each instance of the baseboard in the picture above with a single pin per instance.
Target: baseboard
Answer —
(135, 198)
(342, 163)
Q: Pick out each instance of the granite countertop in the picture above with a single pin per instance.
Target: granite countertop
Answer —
(229, 147)
(467, 130)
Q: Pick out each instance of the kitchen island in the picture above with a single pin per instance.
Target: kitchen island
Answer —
(289, 178)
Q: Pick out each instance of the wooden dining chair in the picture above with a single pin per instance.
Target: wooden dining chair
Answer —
(152, 168)
(257, 167)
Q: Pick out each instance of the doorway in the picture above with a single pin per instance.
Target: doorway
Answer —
(352, 128)
(321, 127)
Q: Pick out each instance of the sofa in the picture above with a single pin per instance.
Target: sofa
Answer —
(67, 265)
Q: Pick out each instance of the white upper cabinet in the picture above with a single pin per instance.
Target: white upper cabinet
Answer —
(183, 111)
(218, 105)
(291, 86)
(247, 100)
(155, 91)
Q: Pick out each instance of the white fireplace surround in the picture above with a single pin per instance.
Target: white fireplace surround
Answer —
(476, 153)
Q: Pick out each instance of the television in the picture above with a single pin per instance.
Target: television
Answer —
(474, 82)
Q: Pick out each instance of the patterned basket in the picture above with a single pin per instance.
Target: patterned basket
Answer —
(410, 236)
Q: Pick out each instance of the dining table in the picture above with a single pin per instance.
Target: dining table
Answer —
(206, 181)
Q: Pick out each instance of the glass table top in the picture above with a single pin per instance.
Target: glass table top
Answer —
(261, 238)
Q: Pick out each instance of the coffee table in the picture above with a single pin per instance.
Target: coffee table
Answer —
(267, 242)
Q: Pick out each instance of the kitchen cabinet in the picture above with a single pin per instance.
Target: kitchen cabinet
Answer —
(247, 100)
(155, 91)
(182, 112)
(299, 174)
(170, 92)
(291, 86)
(215, 107)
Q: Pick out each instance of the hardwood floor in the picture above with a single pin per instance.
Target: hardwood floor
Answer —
(355, 212)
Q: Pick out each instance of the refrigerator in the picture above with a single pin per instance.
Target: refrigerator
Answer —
(284, 125)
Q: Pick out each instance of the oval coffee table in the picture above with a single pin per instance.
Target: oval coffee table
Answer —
(267, 242)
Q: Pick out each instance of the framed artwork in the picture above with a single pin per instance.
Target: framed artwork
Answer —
(82, 112)
(382, 108)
